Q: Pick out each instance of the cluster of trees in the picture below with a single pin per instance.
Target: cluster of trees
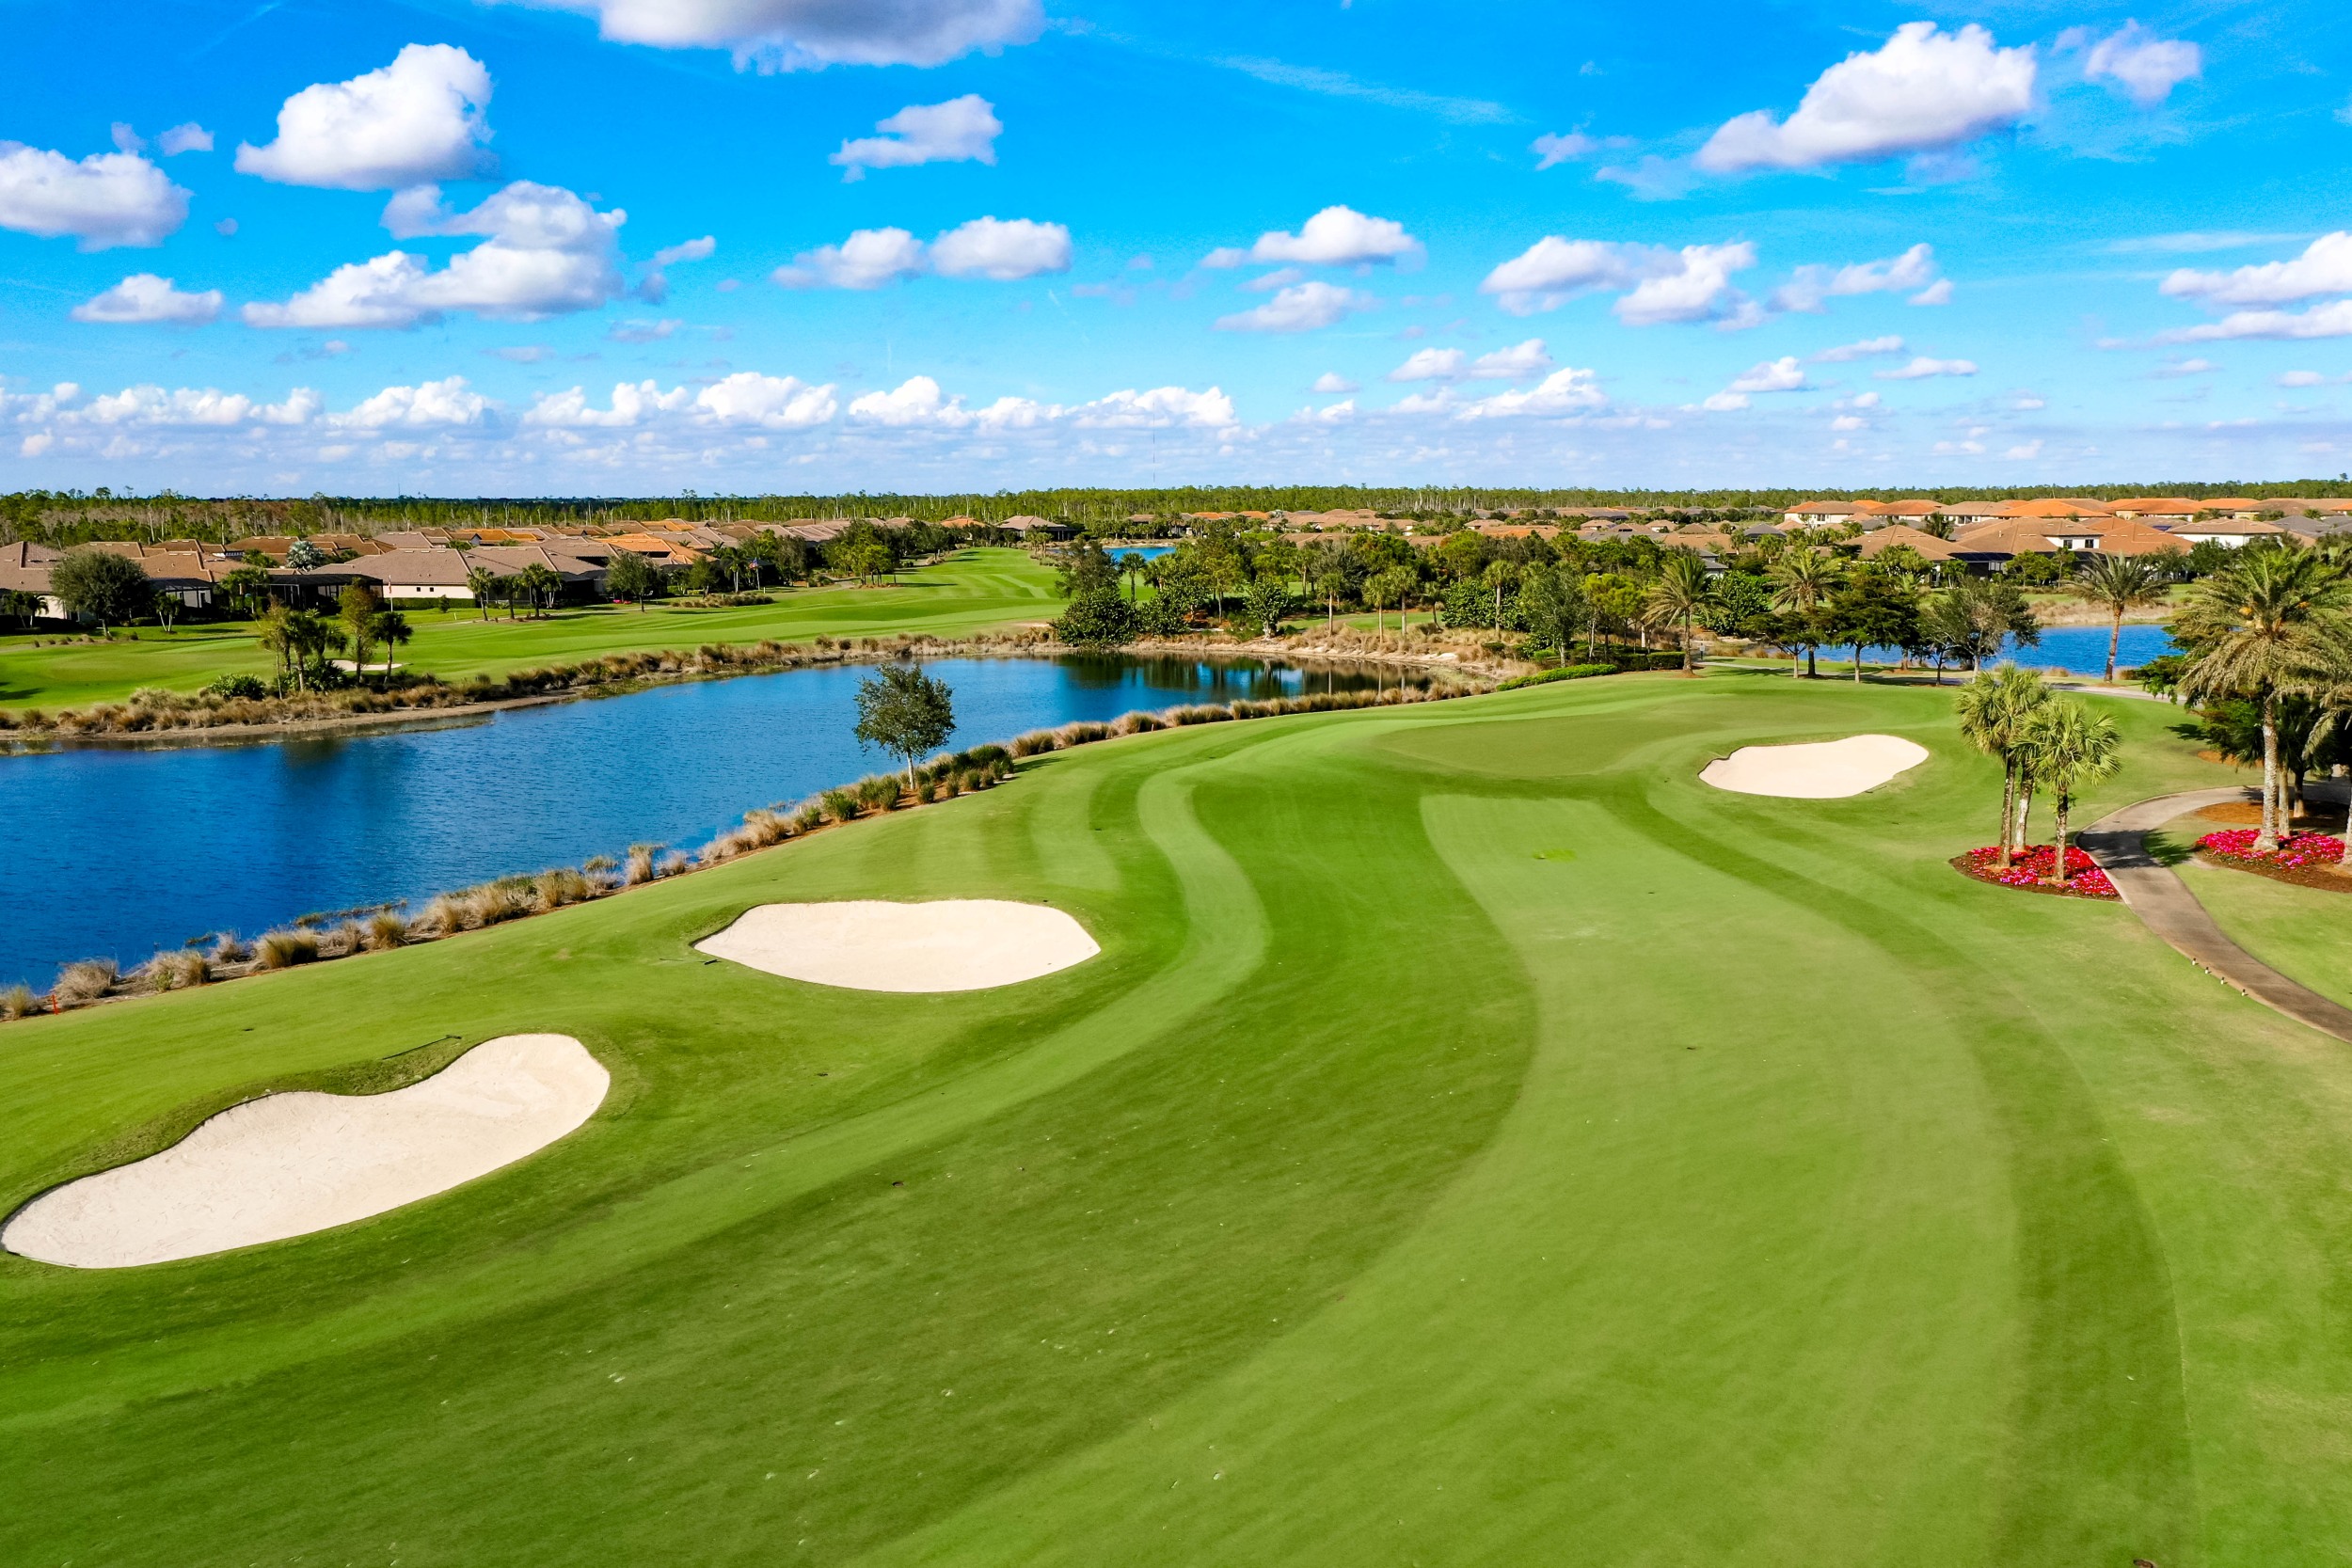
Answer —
(2045, 742)
(303, 643)
(2266, 655)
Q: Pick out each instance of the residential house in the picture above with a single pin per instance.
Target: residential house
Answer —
(1878, 540)
(1989, 545)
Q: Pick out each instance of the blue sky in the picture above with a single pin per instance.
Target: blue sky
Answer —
(617, 247)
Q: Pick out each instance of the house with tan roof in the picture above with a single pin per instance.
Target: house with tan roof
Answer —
(1878, 540)
(1988, 546)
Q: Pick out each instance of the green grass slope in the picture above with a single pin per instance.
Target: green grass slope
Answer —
(1478, 1142)
(973, 590)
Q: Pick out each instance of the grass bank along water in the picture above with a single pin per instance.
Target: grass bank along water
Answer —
(246, 838)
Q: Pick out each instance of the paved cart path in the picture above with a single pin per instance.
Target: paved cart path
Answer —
(2118, 843)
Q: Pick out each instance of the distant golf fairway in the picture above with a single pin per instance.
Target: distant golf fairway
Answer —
(1477, 1141)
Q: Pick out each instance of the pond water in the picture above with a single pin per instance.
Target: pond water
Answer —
(2077, 650)
(120, 852)
(1141, 552)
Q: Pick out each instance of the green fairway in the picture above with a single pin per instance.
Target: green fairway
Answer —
(2304, 933)
(1478, 1142)
(975, 590)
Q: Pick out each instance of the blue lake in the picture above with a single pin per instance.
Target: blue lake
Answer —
(117, 853)
(2077, 650)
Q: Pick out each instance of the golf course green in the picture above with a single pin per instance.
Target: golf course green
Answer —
(972, 591)
(1477, 1141)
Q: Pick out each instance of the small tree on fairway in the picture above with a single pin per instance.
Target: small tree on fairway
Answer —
(2069, 747)
(632, 576)
(107, 587)
(391, 628)
(168, 607)
(483, 583)
(903, 711)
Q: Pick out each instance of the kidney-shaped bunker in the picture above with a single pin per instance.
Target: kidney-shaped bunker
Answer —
(1821, 771)
(867, 944)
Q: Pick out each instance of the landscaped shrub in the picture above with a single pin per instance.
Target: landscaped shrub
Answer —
(554, 889)
(284, 949)
(2030, 867)
(840, 805)
(176, 970)
(1034, 742)
(85, 981)
(228, 949)
(880, 791)
(809, 818)
(1565, 673)
(386, 930)
(640, 863)
(19, 1002)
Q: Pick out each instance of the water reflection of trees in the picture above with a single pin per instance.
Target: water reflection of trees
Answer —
(1230, 679)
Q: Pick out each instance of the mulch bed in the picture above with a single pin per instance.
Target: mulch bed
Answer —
(2029, 871)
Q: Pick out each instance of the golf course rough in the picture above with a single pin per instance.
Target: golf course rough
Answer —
(873, 945)
(1745, 1188)
(288, 1165)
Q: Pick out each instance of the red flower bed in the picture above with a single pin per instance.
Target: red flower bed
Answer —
(2237, 844)
(2030, 869)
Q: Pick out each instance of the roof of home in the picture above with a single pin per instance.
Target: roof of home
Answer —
(1880, 541)
(2010, 536)
(2216, 526)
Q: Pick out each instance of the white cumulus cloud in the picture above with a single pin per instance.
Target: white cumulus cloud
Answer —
(1869, 348)
(654, 288)
(1303, 308)
(1564, 392)
(429, 405)
(768, 402)
(1808, 286)
(1335, 237)
(1659, 284)
(1923, 367)
(143, 297)
(2146, 67)
(420, 119)
(1518, 363)
(1331, 382)
(548, 252)
(103, 200)
(963, 129)
(1923, 90)
(190, 137)
(801, 34)
(1002, 250)
(2324, 268)
(1783, 375)
(2332, 320)
(1159, 408)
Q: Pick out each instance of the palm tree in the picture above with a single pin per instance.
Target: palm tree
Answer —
(1802, 580)
(2068, 746)
(1995, 708)
(2119, 583)
(1383, 589)
(1681, 591)
(2272, 622)
(1500, 576)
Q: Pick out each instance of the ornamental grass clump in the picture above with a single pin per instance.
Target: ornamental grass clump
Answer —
(285, 949)
(87, 981)
(1035, 743)
(808, 818)
(18, 1002)
(386, 930)
(177, 970)
(554, 889)
(640, 868)
(880, 791)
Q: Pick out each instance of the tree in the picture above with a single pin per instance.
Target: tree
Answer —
(2118, 584)
(1875, 609)
(905, 712)
(101, 585)
(1098, 618)
(2067, 747)
(1500, 575)
(391, 628)
(1802, 581)
(167, 605)
(19, 605)
(1995, 710)
(1266, 602)
(2270, 623)
(246, 586)
(1084, 570)
(357, 607)
(539, 585)
(303, 556)
(1385, 588)
(483, 583)
(631, 575)
(1679, 595)
(1554, 608)
(1331, 572)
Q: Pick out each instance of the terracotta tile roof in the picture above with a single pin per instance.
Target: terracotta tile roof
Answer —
(2010, 536)
(1879, 542)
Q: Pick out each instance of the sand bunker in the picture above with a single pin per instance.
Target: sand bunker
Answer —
(952, 944)
(1824, 770)
(287, 1164)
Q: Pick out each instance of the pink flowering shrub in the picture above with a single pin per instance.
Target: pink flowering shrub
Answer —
(2031, 865)
(2237, 844)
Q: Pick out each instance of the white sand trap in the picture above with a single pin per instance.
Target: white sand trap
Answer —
(1824, 770)
(287, 1164)
(866, 945)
